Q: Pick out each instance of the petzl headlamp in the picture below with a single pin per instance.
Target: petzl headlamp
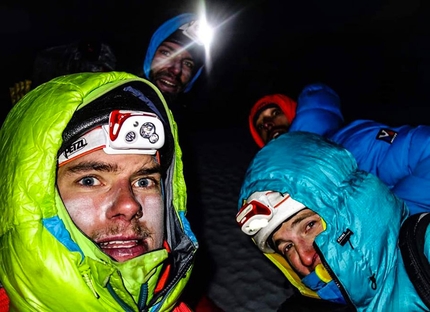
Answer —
(128, 132)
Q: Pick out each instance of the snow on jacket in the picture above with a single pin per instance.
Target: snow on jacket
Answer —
(46, 263)
(324, 177)
(161, 34)
(399, 156)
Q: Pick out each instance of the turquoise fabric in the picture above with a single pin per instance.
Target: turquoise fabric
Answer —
(324, 177)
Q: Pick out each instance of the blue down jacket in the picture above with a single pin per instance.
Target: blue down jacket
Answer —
(399, 156)
(318, 110)
(324, 177)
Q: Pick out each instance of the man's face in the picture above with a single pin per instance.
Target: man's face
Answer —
(172, 68)
(116, 201)
(271, 123)
(294, 240)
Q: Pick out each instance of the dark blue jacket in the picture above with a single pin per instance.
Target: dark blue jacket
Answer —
(399, 156)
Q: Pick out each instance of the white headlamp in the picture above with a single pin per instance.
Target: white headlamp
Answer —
(263, 212)
(198, 31)
(128, 132)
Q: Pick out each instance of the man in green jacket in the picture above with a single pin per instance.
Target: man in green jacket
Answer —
(92, 212)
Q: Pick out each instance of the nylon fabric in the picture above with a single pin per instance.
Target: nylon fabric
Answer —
(318, 110)
(40, 266)
(325, 178)
(399, 156)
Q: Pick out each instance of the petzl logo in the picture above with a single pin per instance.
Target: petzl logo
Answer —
(75, 147)
(386, 135)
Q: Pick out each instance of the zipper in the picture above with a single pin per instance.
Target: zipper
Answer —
(334, 277)
(162, 294)
(125, 306)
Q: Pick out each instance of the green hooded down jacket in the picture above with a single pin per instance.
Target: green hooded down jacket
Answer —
(46, 263)
(362, 217)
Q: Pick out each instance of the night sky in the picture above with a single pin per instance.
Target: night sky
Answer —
(375, 54)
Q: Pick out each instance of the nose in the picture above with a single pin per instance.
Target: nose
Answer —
(268, 124)
(175, 66)
(306, 254)
(124, 205)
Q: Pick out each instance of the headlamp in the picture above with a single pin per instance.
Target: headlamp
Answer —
(198, 31)
(132, 132)
(128, 132)
(257, 213)
(263, 212)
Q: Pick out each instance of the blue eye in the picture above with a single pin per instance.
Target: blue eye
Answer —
(144, 182)
(88, 181)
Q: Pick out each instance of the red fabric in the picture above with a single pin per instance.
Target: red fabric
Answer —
(207, 305)
(4, 300)
(181, 307)
(286, 104)
(165, 274)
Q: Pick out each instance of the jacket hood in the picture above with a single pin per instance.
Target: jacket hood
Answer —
(286, 104)
(324, 177)
(162, 33)
(45, 261)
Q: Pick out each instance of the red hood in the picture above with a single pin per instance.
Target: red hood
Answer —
(286, 104)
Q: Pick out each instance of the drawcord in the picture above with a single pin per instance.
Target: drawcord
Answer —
(85, 272)
(373, 281)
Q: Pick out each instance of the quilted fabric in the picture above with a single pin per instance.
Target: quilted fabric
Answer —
(46, 263)
(324, 177)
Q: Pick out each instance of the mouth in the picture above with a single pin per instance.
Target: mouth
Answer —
(122, 250)
(168, 85)
(276, 133)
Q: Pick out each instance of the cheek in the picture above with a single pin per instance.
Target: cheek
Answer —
(153, 211)
(186, 75)
(281, 120)
(84, 213)
(158, 62)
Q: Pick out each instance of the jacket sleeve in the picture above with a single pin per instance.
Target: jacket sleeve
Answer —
(414, 187)
(318, 110)
(399, 156)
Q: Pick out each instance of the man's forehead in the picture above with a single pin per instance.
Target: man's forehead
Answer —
(121, 160)
(298, 217)
(175, 47)
(265, 109)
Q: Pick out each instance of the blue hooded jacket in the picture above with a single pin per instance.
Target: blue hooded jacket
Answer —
(161, 34)
(319, 104)
(324, 177)
(399, 156)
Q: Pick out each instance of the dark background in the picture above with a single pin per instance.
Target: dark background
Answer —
(375, 54)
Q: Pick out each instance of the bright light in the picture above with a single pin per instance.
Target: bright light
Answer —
(205, 33)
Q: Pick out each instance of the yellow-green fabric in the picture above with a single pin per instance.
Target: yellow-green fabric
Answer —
(46, 263)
